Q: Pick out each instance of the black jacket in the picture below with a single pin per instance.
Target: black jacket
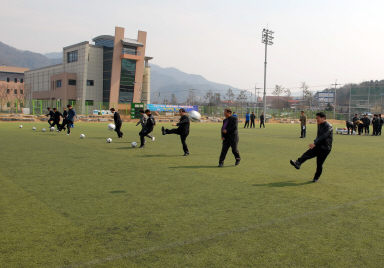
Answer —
(183, 125)
(65, 114)
(230, 124)
(262, 118)
(354, 119)
(150, 123)
(366, 121)
(324, 137)
(51, 114)
(57, 116)
(117, 119)
(253, 116)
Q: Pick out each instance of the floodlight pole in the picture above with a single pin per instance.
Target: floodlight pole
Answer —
(267, 38)
(334, 100)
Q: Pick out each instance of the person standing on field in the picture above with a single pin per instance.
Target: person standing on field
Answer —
(320, 148)
(303, 125)
(247, 118)
(354, 121)
(68, 121)
(230, 137)
(262, 120)
(380, 127)
(118, 122)
(253, 117)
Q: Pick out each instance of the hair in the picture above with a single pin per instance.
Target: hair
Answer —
(48, 108)
(141, 111)
(147, 111)
(112, 109)
(69, 105)
(321, 115)
(302, 111)
(54, 109)
(228, 110)
(182, 110)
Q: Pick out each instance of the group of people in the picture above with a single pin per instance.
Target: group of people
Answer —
(55, 117)
(362, 125)
(250, 118)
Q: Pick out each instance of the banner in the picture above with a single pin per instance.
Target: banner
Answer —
(171, 108)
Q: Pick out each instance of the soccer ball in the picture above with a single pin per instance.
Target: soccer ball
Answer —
(109, 140)
(21, 126)
(111, 126)
(33, 128)
(52, 129)
(43, 130)
(82, 136)
(195, 116)
(134, 144)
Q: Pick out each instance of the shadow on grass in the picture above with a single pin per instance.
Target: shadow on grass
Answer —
(159, 155)
(197, 167)
(126, 148)
(282, 184)
(117, 192)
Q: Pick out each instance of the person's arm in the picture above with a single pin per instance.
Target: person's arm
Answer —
(182, 121)
(324, 135)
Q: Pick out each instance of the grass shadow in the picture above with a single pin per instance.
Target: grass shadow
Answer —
(159, 155)
(282, 184)
(198, 167)
(117, 192)
(126, 148)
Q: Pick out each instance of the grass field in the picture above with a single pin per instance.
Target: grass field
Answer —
(67, 202)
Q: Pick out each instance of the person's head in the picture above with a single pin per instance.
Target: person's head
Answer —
(365, 115)
(65, 108)
(54, 109)
(253, 113)
(379, 115)
(48, 108)
(112, 110)
(69, 106)
(227, 112)
(147, 112)
(355, 115)
(302, 112)
(321, 118)
(182, 111)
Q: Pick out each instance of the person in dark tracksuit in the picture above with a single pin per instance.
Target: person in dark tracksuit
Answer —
(380, 126)
(56, 118)
(51, 115)
(118, 122)
(247, 118)
(253, 117)
(375, 124)
(303, 125)
(354, 121)
(230, 137)
(366, 123)
(68, 121)
(262, 120)
(147, 127)
(321, 147)
(182, 130)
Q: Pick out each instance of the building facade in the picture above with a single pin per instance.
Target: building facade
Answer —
(113, 71)
(11, 88)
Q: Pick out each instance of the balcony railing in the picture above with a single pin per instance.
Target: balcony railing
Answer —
(130, 51)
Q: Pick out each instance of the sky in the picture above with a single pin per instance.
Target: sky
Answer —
(317, 42)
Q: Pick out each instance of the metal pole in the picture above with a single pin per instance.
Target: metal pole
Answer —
(350, 98)
(265, 81)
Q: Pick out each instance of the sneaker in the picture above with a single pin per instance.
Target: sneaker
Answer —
(295, 164)
(186, 154)
(220, 165)
(237, 162)
(153, 138)
(315, 179)
(141, 147)
(163, 130)
(67, 134)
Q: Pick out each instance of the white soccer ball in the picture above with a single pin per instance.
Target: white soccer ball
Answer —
(21, 126)
(52, 129)
(109, 140)
(82, 136)
(195, 116)
(111, 126)
(33, 128)
(134, 144)
(43, 130)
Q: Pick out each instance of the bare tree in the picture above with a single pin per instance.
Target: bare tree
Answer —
(191, 99)
(229, 95)
(173, 99)
(307, 95)
(278, 91)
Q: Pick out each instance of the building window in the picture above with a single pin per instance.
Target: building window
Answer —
(89, 103)
(58, 83)
(21, 91)
(127, 80)
(8, 79)
(15, 80)
(72, 56)
(21, 80)
(72, 82)
(90, 83)
(8, 90)
(15, 91)
(130, 50)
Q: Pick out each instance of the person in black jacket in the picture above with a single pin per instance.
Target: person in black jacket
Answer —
(230, 137)
(354, 121)
(253, 117)
(56, 118)
(182, 130)
(51, 115)
(321, 147)
(380, 127)
(118, 122)
(375, 125)
(262, 120)
(147, 127)
(366, 123)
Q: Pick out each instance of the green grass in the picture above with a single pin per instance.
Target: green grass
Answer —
(67, 202)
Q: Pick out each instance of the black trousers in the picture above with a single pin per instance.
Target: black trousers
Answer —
(366, 129)
(320, 155)
(262, 124)
(183, 138)
(66, 123)
(144, 133)
(56, 123)
(118, 130)
(246, 124)
(303, 131)
(225, 147)
(253, 123)
(51, 121)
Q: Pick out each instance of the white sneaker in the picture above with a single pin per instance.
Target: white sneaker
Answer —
(153, 138)
(67, 134)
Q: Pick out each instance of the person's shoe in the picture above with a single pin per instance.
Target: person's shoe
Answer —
(237, 162)
(301, 137)
(141, 147)
(163, 130)
(315, 179)
(295, 164)
(153, 138)
(121, 135)
(220, 164)
(67, 134)
(186, 154)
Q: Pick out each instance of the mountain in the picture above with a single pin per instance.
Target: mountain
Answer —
(22, 58)
(164, 81)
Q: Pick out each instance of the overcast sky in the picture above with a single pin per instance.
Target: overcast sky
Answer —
(315, 41)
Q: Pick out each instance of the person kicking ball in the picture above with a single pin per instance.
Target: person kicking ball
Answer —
(147, 126)
(230, 137)
(321, 147)
(182, 130)
(118, 122)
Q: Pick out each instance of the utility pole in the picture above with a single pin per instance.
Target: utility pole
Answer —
(334, 99)
(256, 98)
(267, 38)
(350, 99)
